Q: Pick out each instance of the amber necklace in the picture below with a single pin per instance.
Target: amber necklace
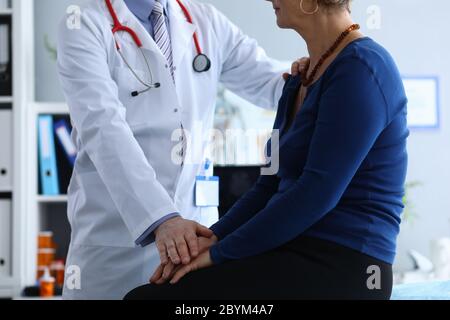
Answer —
(307, 81)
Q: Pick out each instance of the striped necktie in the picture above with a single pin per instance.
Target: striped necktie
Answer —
(161, 34)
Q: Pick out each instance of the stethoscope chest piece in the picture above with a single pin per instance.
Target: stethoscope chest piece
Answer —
(201, 63)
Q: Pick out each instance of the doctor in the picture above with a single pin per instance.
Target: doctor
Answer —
(139, 76)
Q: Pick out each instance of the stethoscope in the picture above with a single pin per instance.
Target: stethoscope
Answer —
(200, 64)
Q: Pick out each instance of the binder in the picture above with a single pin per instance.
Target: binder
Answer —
(5, 150)
(4, 47)
(63, 161)
(5, 56)
(5, 237)
(62, 132)
(47, 156)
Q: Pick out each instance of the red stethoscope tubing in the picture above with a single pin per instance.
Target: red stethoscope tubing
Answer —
(189, 19)
(118, 26)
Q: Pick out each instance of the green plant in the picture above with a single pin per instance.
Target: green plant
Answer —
(51, 49)
(409, 215)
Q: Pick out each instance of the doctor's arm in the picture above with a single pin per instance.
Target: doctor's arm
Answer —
(100, 120)
(246, 68)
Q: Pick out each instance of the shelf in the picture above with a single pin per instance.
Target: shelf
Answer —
(6, 292)
(6, 99)
(51, 108)
(6, 282)
(52, 199)
(220, 166)
(6, 12)
(56, 298)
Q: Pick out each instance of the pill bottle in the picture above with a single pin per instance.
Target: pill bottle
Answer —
(47, 285)
(45, 240)
(46, 257)
(57, 271)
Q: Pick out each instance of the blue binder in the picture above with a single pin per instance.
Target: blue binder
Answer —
(63, 134)
(47, 156)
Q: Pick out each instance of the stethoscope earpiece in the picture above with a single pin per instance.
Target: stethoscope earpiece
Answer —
(153, 86)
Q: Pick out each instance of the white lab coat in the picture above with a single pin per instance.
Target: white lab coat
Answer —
(124, 178)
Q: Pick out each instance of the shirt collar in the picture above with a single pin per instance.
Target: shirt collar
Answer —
(143, 8)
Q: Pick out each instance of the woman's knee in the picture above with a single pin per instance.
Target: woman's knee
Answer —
(148, 292)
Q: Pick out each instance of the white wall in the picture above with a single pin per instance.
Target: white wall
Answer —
(47, 15)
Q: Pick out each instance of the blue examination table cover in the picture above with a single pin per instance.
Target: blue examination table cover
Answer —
(437, 290)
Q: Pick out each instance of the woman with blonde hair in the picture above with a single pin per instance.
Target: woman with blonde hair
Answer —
(325, 226)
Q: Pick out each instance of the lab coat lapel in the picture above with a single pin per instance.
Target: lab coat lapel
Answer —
(127, 18)
(181, 32)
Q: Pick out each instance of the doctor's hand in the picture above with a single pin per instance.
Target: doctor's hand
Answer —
(177, 240)
(299, 66)
(165, 272)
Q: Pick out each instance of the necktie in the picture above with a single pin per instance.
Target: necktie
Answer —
(161, 34)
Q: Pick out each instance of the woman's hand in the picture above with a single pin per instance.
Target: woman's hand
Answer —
(165, 272)
(299, 66)
(201, 262)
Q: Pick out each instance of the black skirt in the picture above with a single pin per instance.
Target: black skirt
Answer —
(304, 269)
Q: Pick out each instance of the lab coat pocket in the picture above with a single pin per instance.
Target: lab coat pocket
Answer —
(127, 81)
(138, 108)
(96, 220)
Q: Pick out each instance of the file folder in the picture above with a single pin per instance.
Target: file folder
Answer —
(47, 156)
(5, 237)
(4, 47)
(62, 132)
(5, 56)
(5, 151)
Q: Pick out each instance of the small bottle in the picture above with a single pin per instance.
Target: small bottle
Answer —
(57, 271)
(45, 240)
(47, 285)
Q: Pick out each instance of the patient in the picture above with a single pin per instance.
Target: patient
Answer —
(325, 226)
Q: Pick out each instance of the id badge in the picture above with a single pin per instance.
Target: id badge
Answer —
(207, 191)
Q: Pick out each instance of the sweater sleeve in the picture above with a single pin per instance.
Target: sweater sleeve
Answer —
(352, 113)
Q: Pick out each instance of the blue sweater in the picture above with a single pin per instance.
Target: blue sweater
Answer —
(342, 164)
